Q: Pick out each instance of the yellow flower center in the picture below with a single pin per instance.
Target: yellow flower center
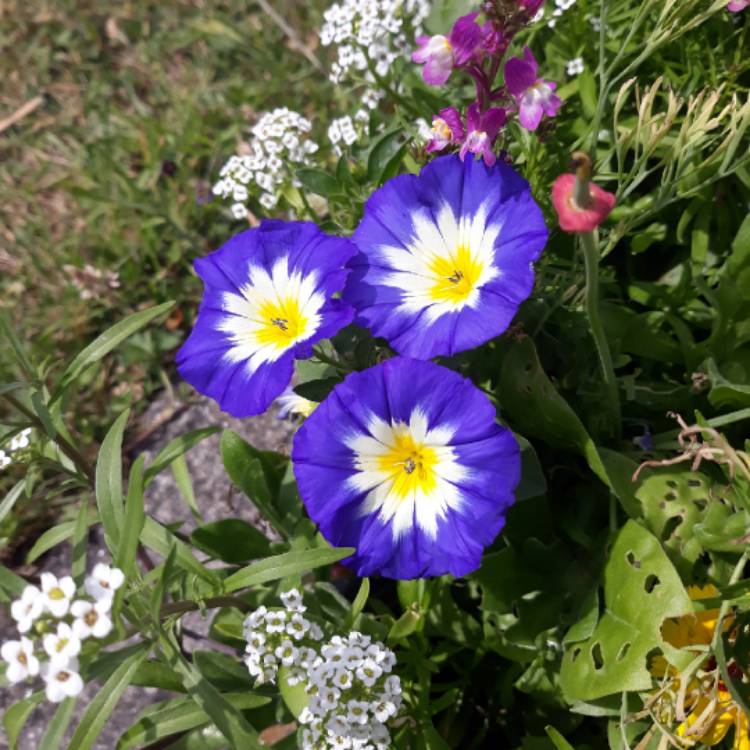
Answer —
(455, 276)
(63, 676)
(22, 658)
(282, 322)
(441, 129)
(61, 644)
(410, 465)
(91, 617)
(56, 593)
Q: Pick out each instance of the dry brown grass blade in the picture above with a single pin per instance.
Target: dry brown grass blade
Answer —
(23, 111)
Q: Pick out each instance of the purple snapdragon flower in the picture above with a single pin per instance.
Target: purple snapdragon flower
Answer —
(531, 6)
(482, 129)
(534, 96)
(440, 54)
(737, 5)
(447, 129)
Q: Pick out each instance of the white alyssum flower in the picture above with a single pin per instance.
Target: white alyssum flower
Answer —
(62, 680)
(103, 582)
(57, 593)
(20, 441)
(63, 645)
(5, 459)
(561, 7)
(279, 138)
(596, 23)
(352, 695)
(373, 32)
(19, 655)
(91, 618)
(279, 638)
(26, 610)
(574, 67)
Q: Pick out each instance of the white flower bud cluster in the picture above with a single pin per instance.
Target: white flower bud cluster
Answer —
(17, 443)
(280, 638)
(279, 137)
(352, 695)
(370, 33)
(62, 622)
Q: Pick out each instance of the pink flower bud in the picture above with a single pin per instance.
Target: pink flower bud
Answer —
(570, 191)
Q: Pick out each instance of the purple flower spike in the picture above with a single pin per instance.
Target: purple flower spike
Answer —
(483, 128)
(534, 96)
(447, 129)
(440, 54)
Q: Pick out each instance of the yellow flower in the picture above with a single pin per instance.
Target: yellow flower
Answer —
(711, 715)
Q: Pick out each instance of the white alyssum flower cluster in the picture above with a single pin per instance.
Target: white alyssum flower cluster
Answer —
(575, 66)
(370, 33)
(280, 638)
(352, 695)
(18, 443)
(560, 7)
(279, 137)
(62, 622)
(352, 691)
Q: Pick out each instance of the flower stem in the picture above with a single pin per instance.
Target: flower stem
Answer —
(591, 260)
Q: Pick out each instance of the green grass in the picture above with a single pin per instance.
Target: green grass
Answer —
(141, 104)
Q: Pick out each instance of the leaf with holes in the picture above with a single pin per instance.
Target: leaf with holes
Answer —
(641, 589)
(673, 503)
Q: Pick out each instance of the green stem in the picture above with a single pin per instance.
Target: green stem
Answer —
(591, 260)
(180, 608)
(67, 448)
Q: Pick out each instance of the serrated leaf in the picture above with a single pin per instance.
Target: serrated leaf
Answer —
(280, 566)
(641, 590)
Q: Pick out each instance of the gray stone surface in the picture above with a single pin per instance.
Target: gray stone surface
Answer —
(216, 499)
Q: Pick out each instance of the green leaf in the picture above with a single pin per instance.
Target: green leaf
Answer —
(295, 696)
(159, 539)
(641, 590)
(104, 702)
(674, 501)
(51, 538)
(11, 584)
(316, 390)
(11, 499)
(224, 672)
(382, 153)
(176, 448)
(16, 716)
(53, 736)
(557, 739)
(358, 604)
(528, 396)
(405, 625)
(178, 715)
(725, 393)
(443, 14)
(6, 329)
(109, 482)
(317, 181)
(80, 543)
(184, 483)
(227, 718)
(105, 343)
(231, 540)
(251, 471)
(134, 520)
(280, 566)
